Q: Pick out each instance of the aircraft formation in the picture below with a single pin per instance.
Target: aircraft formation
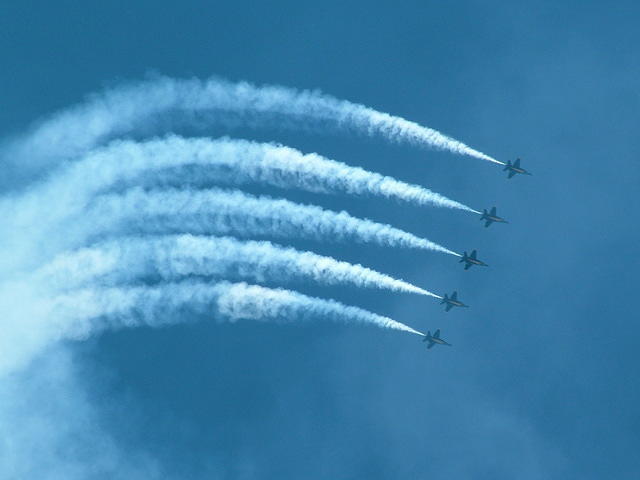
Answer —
(173, 180)
(472, 259)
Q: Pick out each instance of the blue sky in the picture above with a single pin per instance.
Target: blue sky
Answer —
(541, 381)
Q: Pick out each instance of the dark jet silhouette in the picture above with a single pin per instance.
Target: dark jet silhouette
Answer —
(514, 168)
(472, 260)
(452, 301)
(435, 338)
(490, 217)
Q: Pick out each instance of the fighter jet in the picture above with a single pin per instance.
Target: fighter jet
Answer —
(515, 168)
(471, 260)
(490, 217)
(433, 339)
(452, 301)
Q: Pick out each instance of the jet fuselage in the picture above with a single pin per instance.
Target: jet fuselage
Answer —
(437, 340)
(455, 303)
(475, 261)
(434, 339)
(520, 170)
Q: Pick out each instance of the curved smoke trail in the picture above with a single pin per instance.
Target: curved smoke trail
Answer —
(34, 316)
(174, 257)
(171, 161)
(138, 106)
(224, 212)
(82, 313)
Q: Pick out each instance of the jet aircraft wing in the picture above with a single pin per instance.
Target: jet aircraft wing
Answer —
(454, 296)
(517, 163)
(467, 266)
(493, 211)
(436, 334)
(448, 307)
(487, 223)
(511, 173)
(473, 254)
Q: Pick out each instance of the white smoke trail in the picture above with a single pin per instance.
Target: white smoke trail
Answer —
(223, 212)
(239, 161)
(176, 256)
(35, 316)
(138, 107)
(86, 312)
